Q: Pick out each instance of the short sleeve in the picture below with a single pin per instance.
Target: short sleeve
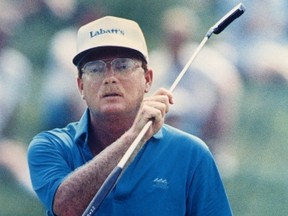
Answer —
(207, 195)
(48, 167)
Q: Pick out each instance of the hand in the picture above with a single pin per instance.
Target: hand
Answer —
(153, 108)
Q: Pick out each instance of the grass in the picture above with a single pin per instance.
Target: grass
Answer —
(260, 187)
(15, 200)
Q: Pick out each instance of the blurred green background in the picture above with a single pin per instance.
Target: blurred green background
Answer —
(259, 184)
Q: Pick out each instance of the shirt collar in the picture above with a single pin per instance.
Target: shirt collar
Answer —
(159, 134)
(82, 130)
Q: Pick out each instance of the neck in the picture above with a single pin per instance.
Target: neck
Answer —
(106, 130)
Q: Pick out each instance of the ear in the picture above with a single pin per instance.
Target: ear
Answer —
(148, 79)
(81, 87)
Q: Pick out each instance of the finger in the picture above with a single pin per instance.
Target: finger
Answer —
(148, 113)
(162, 106)
(165, 92)
(158, 101)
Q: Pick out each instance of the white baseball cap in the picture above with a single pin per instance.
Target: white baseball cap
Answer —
(110, 31)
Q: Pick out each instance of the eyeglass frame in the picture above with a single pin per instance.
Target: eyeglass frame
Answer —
(109, 61)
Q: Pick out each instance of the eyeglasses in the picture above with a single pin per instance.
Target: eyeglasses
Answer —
(121, 66)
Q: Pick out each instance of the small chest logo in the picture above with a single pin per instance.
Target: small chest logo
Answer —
(160, 183)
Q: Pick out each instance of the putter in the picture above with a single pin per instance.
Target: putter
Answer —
(114, 176)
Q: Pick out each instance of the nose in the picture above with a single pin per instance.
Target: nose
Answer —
(109, 75)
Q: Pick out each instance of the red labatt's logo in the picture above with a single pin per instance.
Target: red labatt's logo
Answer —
(106, 31)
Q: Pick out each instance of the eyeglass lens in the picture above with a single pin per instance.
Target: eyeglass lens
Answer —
(118, 65)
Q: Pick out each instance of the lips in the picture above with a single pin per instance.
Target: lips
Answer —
(111, 91)
(111, 94)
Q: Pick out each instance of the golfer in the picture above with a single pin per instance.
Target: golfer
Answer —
(173, 173)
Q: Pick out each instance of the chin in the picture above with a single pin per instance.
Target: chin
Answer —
(113, 109)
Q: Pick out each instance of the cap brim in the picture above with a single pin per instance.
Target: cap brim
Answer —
(77, 59)
(80, 56)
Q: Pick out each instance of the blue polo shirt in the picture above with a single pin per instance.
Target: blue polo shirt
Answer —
(173, 174)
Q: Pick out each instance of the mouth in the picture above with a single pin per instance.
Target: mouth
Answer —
(111, 95)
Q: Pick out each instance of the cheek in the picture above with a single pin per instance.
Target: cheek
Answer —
(136, 89)
(137, 83)
(90, 83)
(90, 89)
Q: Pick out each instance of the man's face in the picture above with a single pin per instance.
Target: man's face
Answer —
(114, 93)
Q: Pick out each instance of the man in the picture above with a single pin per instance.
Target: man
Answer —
(172, 174)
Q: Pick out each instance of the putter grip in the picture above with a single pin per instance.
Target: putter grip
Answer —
(104, 190)
(236, 12)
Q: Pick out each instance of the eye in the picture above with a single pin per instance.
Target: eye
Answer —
(97, 68)
(94, 67)
(122, 65)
